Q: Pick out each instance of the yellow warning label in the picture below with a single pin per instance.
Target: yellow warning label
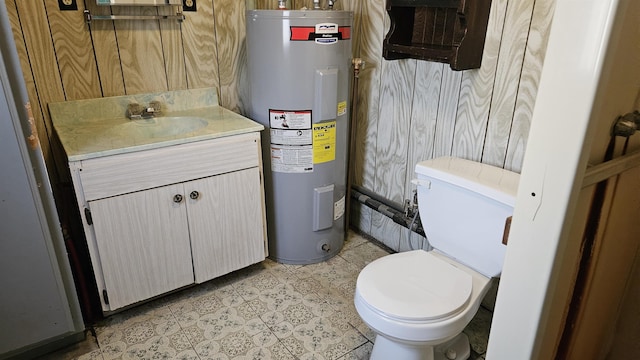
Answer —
(324, 142)
(342, 108)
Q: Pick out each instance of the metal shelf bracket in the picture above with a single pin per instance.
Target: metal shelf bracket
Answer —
(88, 17)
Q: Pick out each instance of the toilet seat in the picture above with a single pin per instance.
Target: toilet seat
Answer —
(414, 286)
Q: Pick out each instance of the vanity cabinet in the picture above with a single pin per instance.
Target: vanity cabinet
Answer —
(142, 240)
(229, 207)
(161, 219)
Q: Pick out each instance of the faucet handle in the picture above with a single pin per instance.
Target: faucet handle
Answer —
(134, 111)
(155, 107)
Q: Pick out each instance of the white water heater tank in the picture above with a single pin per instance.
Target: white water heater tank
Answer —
(299, 70)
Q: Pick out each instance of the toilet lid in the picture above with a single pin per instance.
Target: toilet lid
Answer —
(414, 285)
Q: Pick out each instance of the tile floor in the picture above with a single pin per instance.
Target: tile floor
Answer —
(266, 311)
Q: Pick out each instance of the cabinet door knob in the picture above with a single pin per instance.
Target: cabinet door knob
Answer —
(194, 195)
(177, 198)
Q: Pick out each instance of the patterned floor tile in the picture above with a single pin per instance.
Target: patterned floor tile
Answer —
(233, 332)
(361, 353)
(199, 306)
(222, 323)
(353, 239)
(276, 351)
(320, 337)
(332, 273)
(336, 299)
(363, 254)
(307, 285)
(134, 324)
(268, 311)
(296, 309)
(478, 330)
(158, 347)
(93, 355)
(187, 355)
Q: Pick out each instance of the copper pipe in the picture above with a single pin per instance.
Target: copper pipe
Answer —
(358, 64)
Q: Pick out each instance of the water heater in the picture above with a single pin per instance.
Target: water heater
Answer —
(299, 65)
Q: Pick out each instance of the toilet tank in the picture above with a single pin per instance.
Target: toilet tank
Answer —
(463, 208)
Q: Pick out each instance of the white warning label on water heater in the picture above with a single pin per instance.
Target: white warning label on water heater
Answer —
(290, 120)
(291, 141)
(291, 159)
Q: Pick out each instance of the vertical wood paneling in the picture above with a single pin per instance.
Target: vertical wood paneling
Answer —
(507, 78)
(476, 91)
(201, 57)
(73, 50)
(370, 46)
(141, 53)
(447, 111)
(528, 87)
(398, 82)
(268, 4)
(44, 67)
(172, 50)
(38, 116)
(107, 54)
(397, 90)
(232, 55)
(354, 6)
(424, 117)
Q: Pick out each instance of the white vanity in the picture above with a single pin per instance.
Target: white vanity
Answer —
(166, 201)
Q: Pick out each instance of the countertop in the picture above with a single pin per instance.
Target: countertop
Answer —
(98, 127)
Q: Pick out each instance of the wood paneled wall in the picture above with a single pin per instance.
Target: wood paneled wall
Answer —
(408, 110)
(413, 110)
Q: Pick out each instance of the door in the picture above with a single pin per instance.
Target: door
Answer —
(612, 236)
(226, 223)
(143, 242)
(587, 82)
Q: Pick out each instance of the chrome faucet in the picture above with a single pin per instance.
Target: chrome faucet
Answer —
(136, 111)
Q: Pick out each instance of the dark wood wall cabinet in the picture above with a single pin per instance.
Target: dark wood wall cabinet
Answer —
(448, 31)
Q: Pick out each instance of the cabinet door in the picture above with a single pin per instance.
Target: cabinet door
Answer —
(226, 223)
(143, 242)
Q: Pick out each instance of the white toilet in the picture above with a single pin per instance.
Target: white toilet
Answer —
(418, 302)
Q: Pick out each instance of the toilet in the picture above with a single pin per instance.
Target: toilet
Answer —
(418, 302)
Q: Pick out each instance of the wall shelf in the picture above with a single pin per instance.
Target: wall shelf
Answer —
(448, 31)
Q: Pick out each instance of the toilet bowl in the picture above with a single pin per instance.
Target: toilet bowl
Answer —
(410, 313)
(418, 302)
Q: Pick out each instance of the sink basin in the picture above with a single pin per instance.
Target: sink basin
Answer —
(167, 125)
